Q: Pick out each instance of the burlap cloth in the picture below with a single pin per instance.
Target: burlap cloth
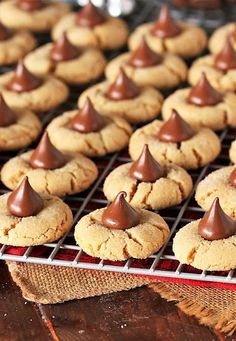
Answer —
(48, 284)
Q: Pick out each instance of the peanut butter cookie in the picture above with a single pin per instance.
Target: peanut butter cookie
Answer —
(219, 37)
(232, 152)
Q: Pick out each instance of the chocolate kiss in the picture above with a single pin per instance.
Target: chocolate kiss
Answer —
(165, 26)
(144, 56)
(87, 119)
(89, 16)
(146, 168)
(232, 178)
(175, 129)
(63, 50)
(24, 201)
(203, 94)
(123, 88)
(30, 5)
(226, 59)
(46, 156)
(4, 33)
(120, 215)
(23, 80)
(216, 224)
(7, 116)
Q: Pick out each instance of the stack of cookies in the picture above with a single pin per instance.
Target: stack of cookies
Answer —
(166, 136)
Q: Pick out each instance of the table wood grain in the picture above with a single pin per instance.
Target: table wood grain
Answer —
(136, 315)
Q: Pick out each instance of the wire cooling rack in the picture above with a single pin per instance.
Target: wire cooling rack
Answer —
(163, 264)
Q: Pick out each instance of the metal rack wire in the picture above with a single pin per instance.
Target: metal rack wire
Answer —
(65, 252)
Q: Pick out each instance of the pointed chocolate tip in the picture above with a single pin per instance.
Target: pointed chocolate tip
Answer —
(23, 80)
(144, 56)
(203, 93)
(175, 130)
(24, 201)
(165, 26)
(46, 156)
(216, 224)
(31, 5)
(120, 215)
(226, 59)
(87, 120)
(90, 16)
(123, 88)
(7, 116)
(63, 50)
(146, 168)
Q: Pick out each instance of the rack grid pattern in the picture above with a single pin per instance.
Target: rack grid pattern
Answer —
(65, 252)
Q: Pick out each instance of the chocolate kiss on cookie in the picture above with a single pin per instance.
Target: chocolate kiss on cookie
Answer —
(31, 5)
(146, 168)
(4, 33)
(232, 178)
(226, 59)
(46, 156)
(203, 94)
(87, 119)
(175, 129)
(63, 50)
(120, 215)
(216, 224)
(23, 80)
(123, 88)
(7, 116)
(89, 16)
(24, 201)
(165, 26)
(144, 56)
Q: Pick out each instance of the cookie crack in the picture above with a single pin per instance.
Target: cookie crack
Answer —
(181, 188)
(197, 157)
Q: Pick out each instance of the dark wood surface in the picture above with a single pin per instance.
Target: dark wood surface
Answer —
(136, 315)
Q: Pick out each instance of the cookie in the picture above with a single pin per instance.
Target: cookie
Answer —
(125, 99)
(218, 184)
(232, 152)
(42, 220)
(165, 35)
(74, 175)
(23, 90)
(66, 62)
(113, 134)
(201, 106)
(208, 243)
(202, 147)
(218, 38)
(25, 14)
(18, 128)
(14, 45)
(91, 28)
(148, 185)
(147, 68)
(145, 237)
(220, 69)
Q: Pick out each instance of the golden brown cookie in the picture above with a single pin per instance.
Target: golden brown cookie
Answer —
(215, 117)
(41, 20)
(113, 136)
(112, 33)
(190, 248)
(232, 152)
(218, 38)
(51, 223)
(16, 46)
(217, 184)
(139, 241)
(141, 108)
(202, 148)
(86, 67)
(169, 190)
(75, 176)
(168, 74)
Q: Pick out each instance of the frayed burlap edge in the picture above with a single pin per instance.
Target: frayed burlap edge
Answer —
(213, 307)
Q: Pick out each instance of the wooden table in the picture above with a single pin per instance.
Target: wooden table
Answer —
(137, 315)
